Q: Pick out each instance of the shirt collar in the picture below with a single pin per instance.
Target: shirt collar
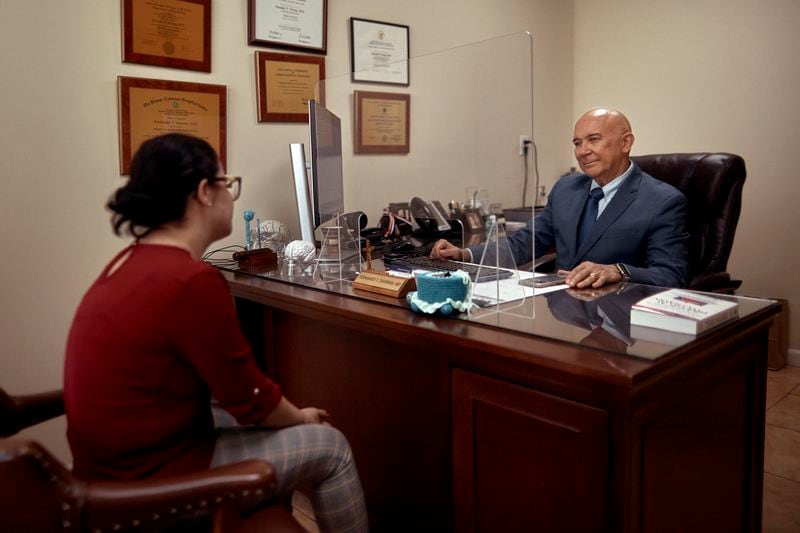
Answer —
(614, 184)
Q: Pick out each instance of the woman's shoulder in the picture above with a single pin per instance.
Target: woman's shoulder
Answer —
(171, 262)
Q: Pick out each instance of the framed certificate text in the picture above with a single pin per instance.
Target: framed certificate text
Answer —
(149, 108)
(379, 52)
(284, 85)
(382, 123)
(167, 33)
(293, 24)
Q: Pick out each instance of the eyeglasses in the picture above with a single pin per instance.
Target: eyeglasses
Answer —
(232, 183)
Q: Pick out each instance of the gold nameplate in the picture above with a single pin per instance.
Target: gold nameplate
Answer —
(383, 283)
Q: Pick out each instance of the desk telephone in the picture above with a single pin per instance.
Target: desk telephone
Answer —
(430, 216)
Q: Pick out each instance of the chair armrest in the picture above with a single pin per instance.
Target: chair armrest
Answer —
(719, 282)
(20, 412)
(545, 263)
(156, 501)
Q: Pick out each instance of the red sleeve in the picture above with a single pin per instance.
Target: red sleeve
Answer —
(206, 332)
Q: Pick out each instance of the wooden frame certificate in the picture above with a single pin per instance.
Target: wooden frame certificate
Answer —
(379, 52)
(167, 33)
(382, 123)
(294, 24)
(149, 108)
(285, 83)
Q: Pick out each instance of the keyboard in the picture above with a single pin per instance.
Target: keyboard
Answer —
(408, 264)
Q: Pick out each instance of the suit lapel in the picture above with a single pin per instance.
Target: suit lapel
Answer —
(621, 201)
(576, 206)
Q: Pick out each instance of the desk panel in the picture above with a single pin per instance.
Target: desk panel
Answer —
(633, 444)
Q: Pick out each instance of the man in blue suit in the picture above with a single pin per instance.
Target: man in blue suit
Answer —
(612, 223)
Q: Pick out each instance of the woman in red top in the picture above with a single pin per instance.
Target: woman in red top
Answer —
(156, 337)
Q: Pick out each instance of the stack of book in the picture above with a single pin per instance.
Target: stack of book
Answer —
(683, 311)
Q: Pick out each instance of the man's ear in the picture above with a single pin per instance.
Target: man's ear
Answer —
(627, 142)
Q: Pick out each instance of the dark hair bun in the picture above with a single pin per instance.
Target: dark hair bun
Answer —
(165, 172)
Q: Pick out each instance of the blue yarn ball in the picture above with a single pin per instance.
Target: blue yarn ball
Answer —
(446, 309)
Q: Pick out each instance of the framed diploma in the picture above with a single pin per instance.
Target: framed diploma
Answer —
(379, 52)
(382, 123)
(293, 24)
(284, 85)
(167, 33)
(149, 108)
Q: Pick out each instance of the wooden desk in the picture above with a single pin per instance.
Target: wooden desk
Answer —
(467, 427)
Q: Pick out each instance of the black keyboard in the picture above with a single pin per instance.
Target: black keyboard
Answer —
(407, 264)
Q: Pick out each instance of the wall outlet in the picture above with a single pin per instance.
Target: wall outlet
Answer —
(524, 141)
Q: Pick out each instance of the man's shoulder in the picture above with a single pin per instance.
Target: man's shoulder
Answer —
(575, 180)
(657, 187)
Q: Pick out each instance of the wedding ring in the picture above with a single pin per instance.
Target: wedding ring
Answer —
(593, 275)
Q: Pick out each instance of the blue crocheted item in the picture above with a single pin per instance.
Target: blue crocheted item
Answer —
(441, 292)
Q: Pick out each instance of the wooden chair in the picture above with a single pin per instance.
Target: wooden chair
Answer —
(38, 493)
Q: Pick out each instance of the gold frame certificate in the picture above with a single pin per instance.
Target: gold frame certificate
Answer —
(382, 123)
(293, 24)
(149, 108)
(167, 33)
(379, 52)
(284, 85)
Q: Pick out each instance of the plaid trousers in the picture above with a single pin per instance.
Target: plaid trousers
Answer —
(312, 455)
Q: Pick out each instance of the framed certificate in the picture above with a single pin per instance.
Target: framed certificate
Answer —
(382, 123)
(379, 52)
(167, 33)
(149, 108)
(293, 24)
(284, 85)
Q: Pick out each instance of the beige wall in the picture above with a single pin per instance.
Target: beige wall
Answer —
(710, 75)
(59, 62)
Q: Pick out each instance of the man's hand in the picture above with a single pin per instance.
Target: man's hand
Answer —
(444, 250)
(589, 274)
(589, 294)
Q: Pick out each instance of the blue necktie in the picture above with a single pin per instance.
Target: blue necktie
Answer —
(589, 214)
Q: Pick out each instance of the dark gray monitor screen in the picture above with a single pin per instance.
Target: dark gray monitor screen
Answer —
(327, 189)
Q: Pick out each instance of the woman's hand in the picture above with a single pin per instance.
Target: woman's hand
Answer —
(312, 415)
(286, 414)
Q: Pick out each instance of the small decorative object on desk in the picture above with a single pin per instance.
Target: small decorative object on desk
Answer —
(442, 292)
(299, 255)
(683, 311)
(273, 234)
(255, 259)
(248, 217)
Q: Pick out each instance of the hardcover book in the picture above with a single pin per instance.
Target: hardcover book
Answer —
(683, 311)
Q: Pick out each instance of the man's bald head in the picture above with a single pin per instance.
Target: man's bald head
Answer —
(603, 141)
(614, 118)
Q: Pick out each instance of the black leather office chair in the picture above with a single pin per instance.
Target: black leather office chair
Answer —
(38, 493)
(712, 184)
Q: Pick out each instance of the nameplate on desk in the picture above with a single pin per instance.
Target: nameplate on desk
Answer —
(383, 283)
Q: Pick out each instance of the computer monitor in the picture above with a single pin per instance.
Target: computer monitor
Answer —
(322, 197)
(327, 188)
(297, 154)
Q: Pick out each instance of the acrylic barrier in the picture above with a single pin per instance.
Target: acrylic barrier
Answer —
(402, 165)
